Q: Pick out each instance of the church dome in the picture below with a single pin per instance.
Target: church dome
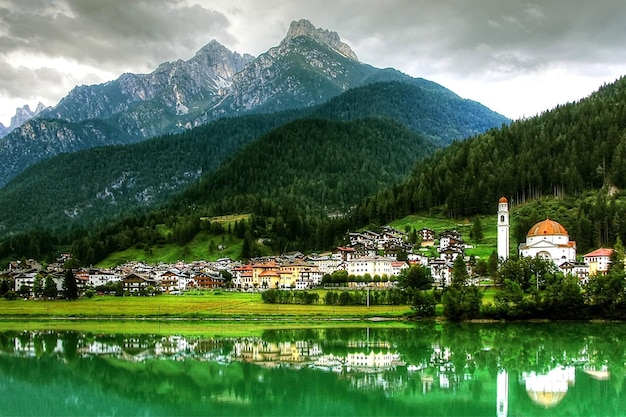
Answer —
(547, 227)
(503, 200)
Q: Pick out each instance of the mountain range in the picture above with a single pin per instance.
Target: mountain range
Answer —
(196, 109)
(309, 67)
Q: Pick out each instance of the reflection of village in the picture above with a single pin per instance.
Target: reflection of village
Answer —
(365, 364)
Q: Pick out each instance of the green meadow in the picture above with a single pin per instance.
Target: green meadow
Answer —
(209, 306)
(481, 250)
(204, 246)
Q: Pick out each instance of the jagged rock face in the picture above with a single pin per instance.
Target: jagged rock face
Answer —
(22, 115)
(309, 66)
(178, 86)
(304, 28)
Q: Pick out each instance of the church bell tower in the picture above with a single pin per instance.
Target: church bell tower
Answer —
(503, 229)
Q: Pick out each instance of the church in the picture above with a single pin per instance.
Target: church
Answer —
(547, 239)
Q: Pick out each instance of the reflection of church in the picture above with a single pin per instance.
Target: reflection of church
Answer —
(546, 390)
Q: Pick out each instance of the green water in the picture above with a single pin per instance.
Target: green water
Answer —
(547, 369)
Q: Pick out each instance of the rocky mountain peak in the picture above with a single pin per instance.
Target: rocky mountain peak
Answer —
(22, 115)
(305, 28)
(221, 60)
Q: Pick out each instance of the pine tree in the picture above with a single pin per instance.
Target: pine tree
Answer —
(50, 288)
(460, 276)
(70, 287)
(477, 233)
(38, 286)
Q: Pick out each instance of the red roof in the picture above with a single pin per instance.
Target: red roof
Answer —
(600, 252)
(503, 200)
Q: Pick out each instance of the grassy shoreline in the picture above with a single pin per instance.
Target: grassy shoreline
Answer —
(208, 307)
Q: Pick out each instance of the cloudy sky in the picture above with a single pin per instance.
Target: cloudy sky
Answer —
(517, 57)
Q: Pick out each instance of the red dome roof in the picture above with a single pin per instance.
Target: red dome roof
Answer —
(547, 227)
(503, 200)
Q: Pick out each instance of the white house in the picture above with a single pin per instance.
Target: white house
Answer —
(373, 265)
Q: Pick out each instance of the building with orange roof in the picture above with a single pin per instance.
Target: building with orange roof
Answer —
(549, 240)
(599, 261)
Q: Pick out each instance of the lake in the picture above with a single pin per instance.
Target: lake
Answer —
(425, 369)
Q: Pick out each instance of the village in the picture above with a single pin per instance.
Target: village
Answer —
(372, 259)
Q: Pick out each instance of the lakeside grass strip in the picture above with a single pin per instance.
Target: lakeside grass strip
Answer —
(213, 305)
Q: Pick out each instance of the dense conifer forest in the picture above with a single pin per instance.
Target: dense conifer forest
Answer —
(563, 153)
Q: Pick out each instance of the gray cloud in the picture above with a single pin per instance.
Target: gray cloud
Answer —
(477, 42)
(109, 34)
(14, 79)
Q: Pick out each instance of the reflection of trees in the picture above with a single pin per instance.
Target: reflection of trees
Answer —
(467, 355)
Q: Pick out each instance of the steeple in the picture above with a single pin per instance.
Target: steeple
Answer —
(503, 229)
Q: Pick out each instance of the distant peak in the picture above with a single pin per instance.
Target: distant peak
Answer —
(303, 27)
(212, 46)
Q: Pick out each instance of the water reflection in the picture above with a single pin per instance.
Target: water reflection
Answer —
(547, 369)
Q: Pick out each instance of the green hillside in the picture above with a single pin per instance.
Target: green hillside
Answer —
(314, 163)
(421, 105)
(563, 153)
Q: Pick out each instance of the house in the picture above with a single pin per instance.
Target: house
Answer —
(599, 261)
(209, 281)
(579, 270)
(242, 277)
(134, 283)
(361, 249)
(265, 274)
(397, 267)
(171, 281)
(450, 253)
(372, 265)
(24, 279)
(450, 239)
(100, 277)
(441, 271)
(345, 253)
(427, 236)
(327, 264)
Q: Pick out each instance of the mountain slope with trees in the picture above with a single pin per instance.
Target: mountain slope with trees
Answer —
(563, 152)
(318, 164)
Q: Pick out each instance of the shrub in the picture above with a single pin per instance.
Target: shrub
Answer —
(10, 295)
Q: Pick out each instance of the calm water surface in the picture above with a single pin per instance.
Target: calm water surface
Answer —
(543, 369)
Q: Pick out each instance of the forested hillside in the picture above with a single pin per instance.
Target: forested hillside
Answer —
(563, 152)
(421, 105)
(317, 164)
(91, 187)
